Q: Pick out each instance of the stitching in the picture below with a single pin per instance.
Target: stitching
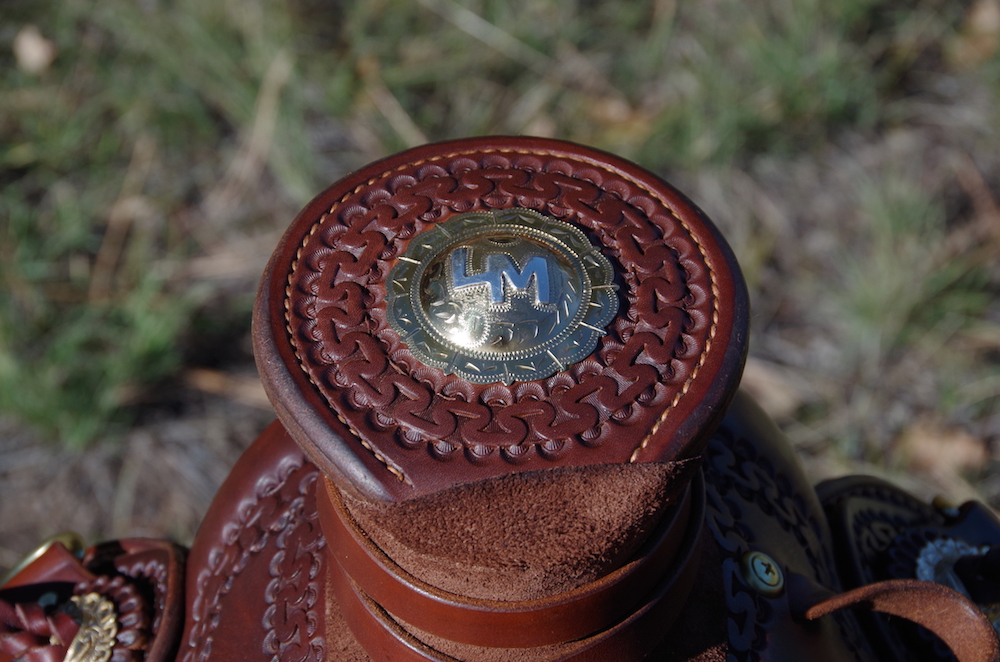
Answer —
(400, 475)
(716, 295)
(287, 305)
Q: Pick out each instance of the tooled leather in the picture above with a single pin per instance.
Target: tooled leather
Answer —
(362, 368)
(153, 568)
(156, 568)
(293, 592)
(743, 474)
(279, 520)
(880, 531)
(141, 577)
(755, 502)
(880, 514)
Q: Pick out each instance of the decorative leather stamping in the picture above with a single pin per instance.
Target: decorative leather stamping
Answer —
(392, 392)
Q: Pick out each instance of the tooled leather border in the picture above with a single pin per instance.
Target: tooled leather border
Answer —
(706, 252)
(263, 518)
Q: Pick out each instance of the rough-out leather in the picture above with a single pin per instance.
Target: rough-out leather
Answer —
(884, 536)
(263, 573)
(566, 616)
(631, 505)
(952, 616)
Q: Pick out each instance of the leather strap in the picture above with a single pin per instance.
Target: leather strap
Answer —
(29, 634)
(567, 616)
(385, 637)
(945, 612)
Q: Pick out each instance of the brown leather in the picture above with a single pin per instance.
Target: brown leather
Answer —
(526, 536)
(29, 634)
(760, 500)
(281, 571)
(29, 631)
(256, 584)
(882, 533)
(56, 564)
(945, 612)
(143, 578)
(630, 639)
(156, 564)
(261, 577)
(262, 580)
(566, 616)
(381, 424)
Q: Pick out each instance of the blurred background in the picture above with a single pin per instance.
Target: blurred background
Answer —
(152, 152)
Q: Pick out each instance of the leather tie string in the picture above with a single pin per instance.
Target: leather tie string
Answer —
(954, 618)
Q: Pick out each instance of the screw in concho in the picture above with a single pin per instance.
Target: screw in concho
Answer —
(762, 573)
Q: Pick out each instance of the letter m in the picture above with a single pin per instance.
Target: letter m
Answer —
(501, 273)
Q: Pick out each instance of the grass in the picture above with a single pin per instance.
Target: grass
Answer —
(165, 132)
(902, 294)
(104, 154)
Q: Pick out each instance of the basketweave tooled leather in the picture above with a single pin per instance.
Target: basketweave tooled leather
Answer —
(380, 422)
(260, 582)
(385, 415)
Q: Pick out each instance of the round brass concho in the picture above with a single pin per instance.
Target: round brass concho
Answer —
(501, 296)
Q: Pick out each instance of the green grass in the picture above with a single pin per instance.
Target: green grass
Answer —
(166, 129)
(904, 291)
(110, 162)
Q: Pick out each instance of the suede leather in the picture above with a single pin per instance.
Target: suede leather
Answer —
(261, 571)
(947, 613)
(525, 536)
(573, 612)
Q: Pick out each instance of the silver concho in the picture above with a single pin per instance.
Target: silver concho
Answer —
(501, 296)
(936, 563)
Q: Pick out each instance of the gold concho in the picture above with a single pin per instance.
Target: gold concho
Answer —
(501, 296)
(95, 639)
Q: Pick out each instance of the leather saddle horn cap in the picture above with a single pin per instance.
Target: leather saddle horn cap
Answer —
(508, 356)
(476, 308)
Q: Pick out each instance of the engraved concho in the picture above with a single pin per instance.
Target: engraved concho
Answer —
(501, 296)
(449, 315)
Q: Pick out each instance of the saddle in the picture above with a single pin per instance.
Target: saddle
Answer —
(506, 375)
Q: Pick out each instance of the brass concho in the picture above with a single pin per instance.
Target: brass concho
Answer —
(95, 640)
(501, 296)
